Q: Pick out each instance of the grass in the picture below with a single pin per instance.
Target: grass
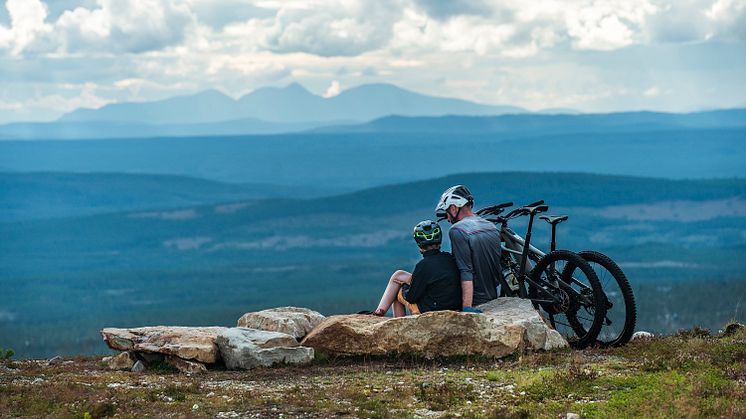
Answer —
(691, 374)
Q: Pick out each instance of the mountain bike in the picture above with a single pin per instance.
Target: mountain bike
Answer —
(561, 284)
(621, 313)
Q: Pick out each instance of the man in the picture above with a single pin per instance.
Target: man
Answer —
(434, 283)
(475, 243)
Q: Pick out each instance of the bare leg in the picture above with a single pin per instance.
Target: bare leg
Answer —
(389, 296)
(399, 309)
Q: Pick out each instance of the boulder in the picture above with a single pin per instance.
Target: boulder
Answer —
(190, 343)
(293, 321)
(243, 348)
(506, 326)
(184, 366)
(123, 361)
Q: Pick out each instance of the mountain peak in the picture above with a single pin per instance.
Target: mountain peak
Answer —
(296, 87)
(293, 90)
(207, 94)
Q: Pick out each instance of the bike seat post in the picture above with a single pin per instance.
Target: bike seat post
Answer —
(553, 245)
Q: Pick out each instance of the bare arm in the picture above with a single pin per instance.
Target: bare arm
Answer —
(467, 292)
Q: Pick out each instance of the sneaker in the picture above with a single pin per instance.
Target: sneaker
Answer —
(373, 313)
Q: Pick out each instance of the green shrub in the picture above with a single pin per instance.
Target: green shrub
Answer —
(6, 354)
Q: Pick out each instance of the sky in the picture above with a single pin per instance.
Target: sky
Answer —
(587, 55)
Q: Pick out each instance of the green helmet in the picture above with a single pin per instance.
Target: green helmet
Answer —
(427, 233)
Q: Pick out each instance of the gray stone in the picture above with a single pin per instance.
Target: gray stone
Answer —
(138, 367)
(294, 321)
(642, 335)
(124, 361)
(506, 326)
(244, 348)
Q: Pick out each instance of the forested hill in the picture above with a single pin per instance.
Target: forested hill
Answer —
(533, 124)
(679, 241)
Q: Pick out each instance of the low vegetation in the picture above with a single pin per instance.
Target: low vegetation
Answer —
(689, 374)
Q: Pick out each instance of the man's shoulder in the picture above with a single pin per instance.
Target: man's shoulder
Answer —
(473, 224)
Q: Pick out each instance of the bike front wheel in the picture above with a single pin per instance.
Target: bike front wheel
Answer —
(566, 290)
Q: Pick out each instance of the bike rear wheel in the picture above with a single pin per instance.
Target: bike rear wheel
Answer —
(621, 311)
(577, 308)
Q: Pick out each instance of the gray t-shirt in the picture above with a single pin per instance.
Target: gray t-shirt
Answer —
(475, 243)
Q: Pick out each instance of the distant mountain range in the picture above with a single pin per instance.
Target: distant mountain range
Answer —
(264, 111)
(291, 104)
(550, 123)
(374, 109)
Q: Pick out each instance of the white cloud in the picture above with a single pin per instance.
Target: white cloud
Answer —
(493, 51)
(728, 18)
(27, 23)
(652, 92)
(87, 98)
(332, 90)
(607, 25)
(334, 28)
(124, 26)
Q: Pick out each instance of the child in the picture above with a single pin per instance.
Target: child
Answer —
(435, 283)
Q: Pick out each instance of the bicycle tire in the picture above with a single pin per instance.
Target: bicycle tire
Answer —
(583, 336)
(630, 308)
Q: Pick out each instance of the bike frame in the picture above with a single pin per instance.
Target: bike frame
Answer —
(515, 244)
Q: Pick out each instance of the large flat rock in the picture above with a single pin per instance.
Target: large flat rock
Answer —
(243, 348)
(294, 321)
(189, 343)
(507, 325)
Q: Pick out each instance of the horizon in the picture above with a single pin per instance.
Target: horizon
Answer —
(543, 111)
(645, 55)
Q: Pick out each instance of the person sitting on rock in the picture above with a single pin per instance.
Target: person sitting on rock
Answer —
(433, 285)
(475, 243)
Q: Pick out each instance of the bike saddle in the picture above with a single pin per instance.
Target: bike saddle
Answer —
(535, 209)
(554, 219)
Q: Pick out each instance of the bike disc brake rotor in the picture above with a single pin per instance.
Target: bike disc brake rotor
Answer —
(561, 304)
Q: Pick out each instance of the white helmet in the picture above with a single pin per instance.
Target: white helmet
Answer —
(458, 195)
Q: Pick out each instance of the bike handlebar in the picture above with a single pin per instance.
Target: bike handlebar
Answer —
(494, 209)
(527, 209)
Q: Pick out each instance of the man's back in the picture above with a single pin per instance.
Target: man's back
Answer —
(475, 243)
